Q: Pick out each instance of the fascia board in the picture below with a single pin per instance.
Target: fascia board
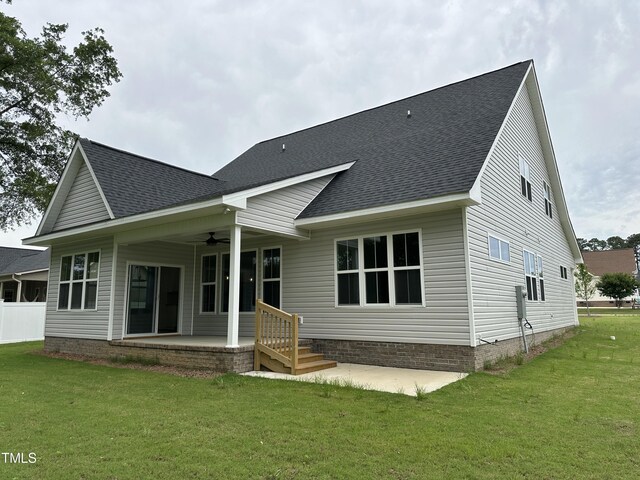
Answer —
(112, 226)
(56, 199)
(385, 211)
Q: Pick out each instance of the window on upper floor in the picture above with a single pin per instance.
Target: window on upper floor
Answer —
(547, 200)
(525, 179)
(78, 288)
(499, 249)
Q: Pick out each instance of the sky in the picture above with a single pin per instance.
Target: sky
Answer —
(205, 80)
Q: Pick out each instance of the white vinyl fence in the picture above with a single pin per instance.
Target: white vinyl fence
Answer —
(21, 322)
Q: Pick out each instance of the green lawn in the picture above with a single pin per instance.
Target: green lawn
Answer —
(599, 311)
(573, 412)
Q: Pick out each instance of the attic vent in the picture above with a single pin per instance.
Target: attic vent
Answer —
(408, 113)
(283, 147)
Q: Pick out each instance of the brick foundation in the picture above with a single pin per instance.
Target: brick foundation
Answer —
(220, 359)
(456, 358)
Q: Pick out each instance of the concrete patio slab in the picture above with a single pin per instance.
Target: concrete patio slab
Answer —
(371, 377)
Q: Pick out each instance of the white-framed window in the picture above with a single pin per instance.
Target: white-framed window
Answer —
(541, 278)
(525, 178)
(376, 270)
(563, 272)
(271, 276)
(348, 274)
(248, 264)
(534, 276)
(548, 210)
(208, 283)
(384, 269)
(78, 288)
(499, 249)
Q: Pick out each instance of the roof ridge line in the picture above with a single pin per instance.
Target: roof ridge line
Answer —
(394, 101)
(142, 157)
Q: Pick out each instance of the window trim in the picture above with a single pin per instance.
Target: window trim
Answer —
(536, 277)
(500, 239)
(84, 281)
(214, 283)
(390, 268)
(261, 273)
(522, 162)
(564, 272)
(546, 194)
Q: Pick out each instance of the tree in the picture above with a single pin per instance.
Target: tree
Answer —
(582, 243)
(596, 245)
(633, 241)
(39, 80)
(616, 242)
(617, 286)
(583, 285)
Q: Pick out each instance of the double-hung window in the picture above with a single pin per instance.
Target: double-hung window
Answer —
(78, 289)
(376, 271)
(499, 249)
(563, 272)
(525, 179)
(208, 280)
(348, 272)
(406, 269)
(271, 276)
(547, 200)
(379, 270)
(541, 278)
(534, 276)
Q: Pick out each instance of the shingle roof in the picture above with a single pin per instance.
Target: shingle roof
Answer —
(621, 260)
(20, 260)
(438, 150)
(134, 184)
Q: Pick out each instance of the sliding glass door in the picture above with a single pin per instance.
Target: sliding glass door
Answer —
(154, 300)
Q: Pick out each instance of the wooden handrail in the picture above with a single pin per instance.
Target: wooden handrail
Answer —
(276, 336)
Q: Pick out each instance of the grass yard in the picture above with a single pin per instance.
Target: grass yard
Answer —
(603, 311)
(573, 412)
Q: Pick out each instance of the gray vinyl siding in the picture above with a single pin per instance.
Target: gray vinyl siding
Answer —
(308, 283)
(154, 253)
(80, 323)
(275, 211)
(505, 213)
(83, 203)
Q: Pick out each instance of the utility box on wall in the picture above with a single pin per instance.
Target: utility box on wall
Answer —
(521, 301)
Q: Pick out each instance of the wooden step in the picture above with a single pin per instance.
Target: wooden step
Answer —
(309, 357)
(314, 366)
(304, 350)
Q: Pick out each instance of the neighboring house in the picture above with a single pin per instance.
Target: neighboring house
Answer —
(23, 274)
(621, 260)
(398, 233)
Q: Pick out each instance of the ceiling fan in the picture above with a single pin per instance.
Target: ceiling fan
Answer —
(212, 241)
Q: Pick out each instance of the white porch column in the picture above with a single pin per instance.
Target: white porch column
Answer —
(233, 319)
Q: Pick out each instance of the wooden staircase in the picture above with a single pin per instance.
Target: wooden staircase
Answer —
(277, 347)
